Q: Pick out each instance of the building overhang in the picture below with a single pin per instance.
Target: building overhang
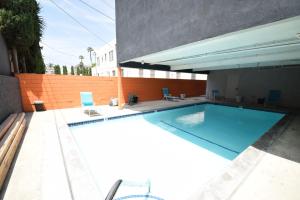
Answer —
(142, 65)
(273, 44)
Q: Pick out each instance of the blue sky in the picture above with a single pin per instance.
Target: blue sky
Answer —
(64, 40)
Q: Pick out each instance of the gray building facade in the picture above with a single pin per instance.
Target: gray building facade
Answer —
(145, 27)
(4, 60)
(247, 48)
(10, 97)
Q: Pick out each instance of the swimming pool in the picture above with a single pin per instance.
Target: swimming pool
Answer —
(224, 130)
(177, 150)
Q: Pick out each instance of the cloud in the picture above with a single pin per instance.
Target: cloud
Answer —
(191, 119)
(66, 37)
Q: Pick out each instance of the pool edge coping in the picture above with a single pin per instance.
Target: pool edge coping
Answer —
(80, 180)
(265, 109)
(241, 162)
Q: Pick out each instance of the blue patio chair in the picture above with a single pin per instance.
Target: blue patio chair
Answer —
(215, 93)
(166, 94)
(274, 97)
(87, 102)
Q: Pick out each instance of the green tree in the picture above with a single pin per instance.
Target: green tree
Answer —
(80, 66)
(78, 71)
(72, 70)
(65, 70)
(90, 50)
(84, 71)
(57, 69)
(90, 71)
(22, 28)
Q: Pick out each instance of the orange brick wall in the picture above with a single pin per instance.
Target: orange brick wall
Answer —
(148, 89)
(60, 91)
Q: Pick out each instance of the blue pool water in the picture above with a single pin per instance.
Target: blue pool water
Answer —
(224, 130)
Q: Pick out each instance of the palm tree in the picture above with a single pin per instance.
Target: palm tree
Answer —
(90, 50)
(81, 58)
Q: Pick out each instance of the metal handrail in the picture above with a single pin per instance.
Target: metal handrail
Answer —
(112, 192)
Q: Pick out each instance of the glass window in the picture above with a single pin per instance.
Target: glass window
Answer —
(185, 76)
(172, 75)
(131, 72)
(146, 73)
(160, 74)
(111, 55)
(201, 76)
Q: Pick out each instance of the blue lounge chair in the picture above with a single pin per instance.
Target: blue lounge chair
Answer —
(274, 97)
(87, 101)
(215, 93)
(167, 96)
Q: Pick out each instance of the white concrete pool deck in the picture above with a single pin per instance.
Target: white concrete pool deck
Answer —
(42, 172)
(72, 115)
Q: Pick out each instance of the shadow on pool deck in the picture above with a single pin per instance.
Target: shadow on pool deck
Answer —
(283, 139)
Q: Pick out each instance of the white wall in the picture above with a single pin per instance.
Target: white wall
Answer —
(256, 83)
(105, 66)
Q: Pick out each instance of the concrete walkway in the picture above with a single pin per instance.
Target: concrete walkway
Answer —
(39, 171)
(73, 115)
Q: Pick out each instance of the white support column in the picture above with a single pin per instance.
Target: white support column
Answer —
(167, 74)
(152, 73)
(193, 77)
(141, 73)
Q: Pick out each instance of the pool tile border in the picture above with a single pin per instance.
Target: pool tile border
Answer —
(72, 124)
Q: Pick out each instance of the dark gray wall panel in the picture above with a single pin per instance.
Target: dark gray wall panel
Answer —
(4, 61)
(256, 83)
(10, 98)
(147, 26)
